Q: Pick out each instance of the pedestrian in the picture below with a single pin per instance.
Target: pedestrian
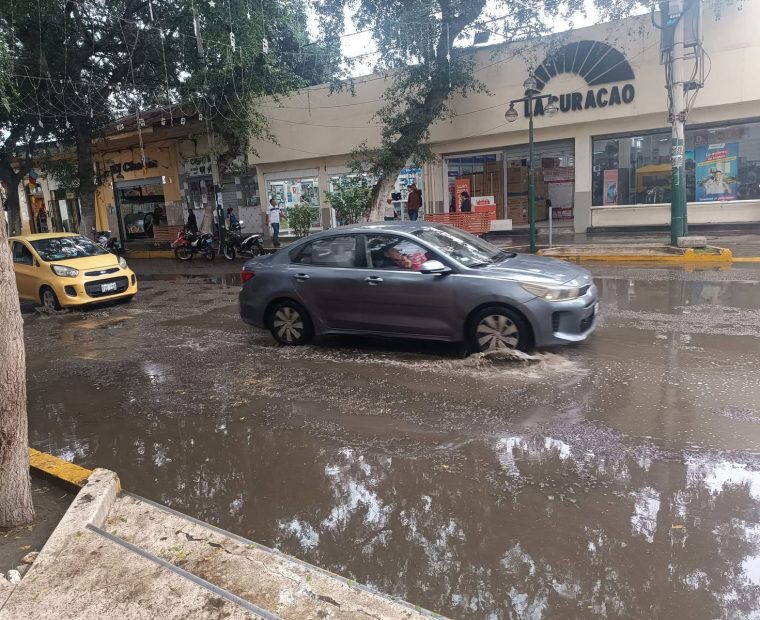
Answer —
(273, 215)
(192, 223)
(234, 222)
(413, 201)
(390, 212)
(466, 206)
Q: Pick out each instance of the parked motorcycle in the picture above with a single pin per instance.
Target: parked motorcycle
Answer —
(244, 244)
(188, 244)
(104, 239)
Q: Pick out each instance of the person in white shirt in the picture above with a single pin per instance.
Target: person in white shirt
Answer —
(273, 215)
(716, 185)
(389, 213)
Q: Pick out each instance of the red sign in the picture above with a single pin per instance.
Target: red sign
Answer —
(460, 185)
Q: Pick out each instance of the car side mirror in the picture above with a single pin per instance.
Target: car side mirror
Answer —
(435, 267)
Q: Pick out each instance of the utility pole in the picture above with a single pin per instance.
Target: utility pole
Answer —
(678, 112)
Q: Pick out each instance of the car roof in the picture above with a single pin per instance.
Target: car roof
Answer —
(405, 226)
(38, 236)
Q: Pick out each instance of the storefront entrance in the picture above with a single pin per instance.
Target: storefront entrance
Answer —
(64, 210)
(502, 178)
(139, 207)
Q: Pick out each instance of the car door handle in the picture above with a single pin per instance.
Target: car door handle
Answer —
(301, 277)
(373, 280)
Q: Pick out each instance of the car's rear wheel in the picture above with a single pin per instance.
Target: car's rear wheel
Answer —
(497, 328)
(49, 299)
(290, 324)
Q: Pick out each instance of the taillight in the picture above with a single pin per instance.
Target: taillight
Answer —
(245, 276)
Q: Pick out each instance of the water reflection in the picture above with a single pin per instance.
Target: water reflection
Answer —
(514, 527)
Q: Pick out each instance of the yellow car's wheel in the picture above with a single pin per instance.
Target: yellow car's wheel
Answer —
(49, 299)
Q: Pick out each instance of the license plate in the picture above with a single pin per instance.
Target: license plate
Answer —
(109, 286)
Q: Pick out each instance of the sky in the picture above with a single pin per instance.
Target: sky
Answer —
(361, 43)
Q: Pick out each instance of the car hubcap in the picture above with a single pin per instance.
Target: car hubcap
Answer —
(288, 324)
(497, 332)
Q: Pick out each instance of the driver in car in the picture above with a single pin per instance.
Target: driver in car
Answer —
(412, 261)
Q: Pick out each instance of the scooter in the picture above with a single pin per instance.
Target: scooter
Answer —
(188, 244)
(243, 244)
(104, 239)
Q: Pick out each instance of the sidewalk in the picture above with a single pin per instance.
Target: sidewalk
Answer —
(116, 555)
(742, 243)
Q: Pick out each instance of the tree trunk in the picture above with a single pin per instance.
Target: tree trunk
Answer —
(86, 176)
(87, 220)
(12, 203)
(207, 223)
(15, 487)
(379, 194)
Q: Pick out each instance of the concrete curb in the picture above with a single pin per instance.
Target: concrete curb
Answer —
(52, 468)
(643, 254)
(149, 254)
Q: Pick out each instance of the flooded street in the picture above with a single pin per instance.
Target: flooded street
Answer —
(615, 479)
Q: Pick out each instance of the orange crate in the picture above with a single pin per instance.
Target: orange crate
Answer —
(475, 223)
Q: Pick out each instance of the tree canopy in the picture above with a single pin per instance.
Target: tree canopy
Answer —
(426, 47)
(80, 65)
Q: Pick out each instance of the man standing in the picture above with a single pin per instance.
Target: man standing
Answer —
(192, 223)
(413, 201)
(234, 223)
(273, 215)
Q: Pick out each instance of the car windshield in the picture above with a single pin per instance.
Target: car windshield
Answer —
(64, 248)
(463, 247)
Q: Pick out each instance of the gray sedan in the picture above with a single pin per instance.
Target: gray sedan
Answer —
(417, 280)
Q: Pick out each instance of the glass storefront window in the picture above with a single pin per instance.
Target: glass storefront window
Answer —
(291, 192)
(722, 163)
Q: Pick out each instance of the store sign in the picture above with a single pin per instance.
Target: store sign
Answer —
(598, 64)
(198, 166)
(131, 166)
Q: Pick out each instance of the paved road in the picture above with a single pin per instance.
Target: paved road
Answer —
(615, 479)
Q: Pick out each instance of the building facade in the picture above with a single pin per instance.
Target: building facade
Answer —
(602, 162)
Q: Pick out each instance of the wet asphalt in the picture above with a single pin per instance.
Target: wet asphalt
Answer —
(619, 478)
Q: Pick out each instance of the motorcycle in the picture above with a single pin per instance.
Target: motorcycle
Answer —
(104, 239)
(243, 244)
(188, 244)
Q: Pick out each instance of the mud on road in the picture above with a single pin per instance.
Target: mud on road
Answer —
(619, 478)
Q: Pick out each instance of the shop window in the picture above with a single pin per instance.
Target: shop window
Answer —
(722, 163)
(291, 192)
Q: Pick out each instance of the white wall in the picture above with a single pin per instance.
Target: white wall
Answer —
(316, 129)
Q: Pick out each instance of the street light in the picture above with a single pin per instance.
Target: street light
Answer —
(531, 95)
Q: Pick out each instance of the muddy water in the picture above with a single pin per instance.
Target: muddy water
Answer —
(616, 479)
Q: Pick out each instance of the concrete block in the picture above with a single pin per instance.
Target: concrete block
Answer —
(497, 225)
(692, 242)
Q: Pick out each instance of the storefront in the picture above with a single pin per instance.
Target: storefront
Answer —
(602, 162)
(138, 199)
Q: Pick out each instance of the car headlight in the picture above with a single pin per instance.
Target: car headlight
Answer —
(66, 272)
(552, 293)
(122, 262)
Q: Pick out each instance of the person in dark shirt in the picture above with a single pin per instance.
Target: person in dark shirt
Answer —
(192, 223)
(466, 204)
(414, 201)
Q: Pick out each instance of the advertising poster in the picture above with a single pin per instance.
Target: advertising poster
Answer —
(461, 185)
(717, 167)
(610, 188)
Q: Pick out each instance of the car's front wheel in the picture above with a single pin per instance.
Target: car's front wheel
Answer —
(497, 328)
(49, 299)
(290, 324)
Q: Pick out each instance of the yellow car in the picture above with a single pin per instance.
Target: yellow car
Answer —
(64, 270)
